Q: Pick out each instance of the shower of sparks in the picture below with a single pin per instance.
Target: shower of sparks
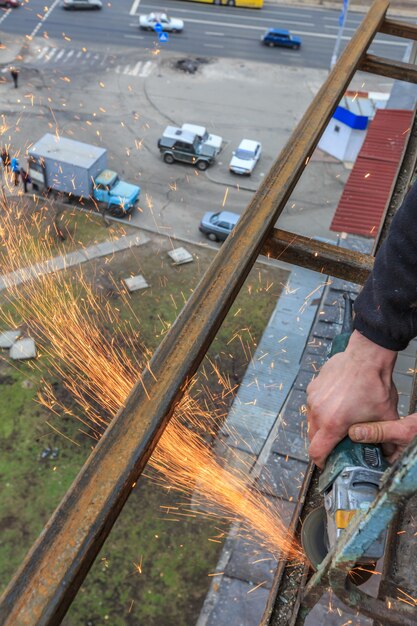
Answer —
(67, 319)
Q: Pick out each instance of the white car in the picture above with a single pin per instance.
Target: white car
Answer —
(82, 4)
(245, 157)
(215, 141)
(170, 24)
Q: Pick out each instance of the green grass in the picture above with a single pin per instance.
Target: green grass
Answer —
(176, 556)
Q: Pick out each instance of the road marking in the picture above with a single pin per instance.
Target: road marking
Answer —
(69, 55)
(135, 70)
(134, 36)
(147, 69)
(212, 45)
(304, 33)
(50, 54)
(42, 52)
(210, 32)
(134, 7)
(5, 15)
(126, 70)
(271, 15)
(44, 18)
(60, 54)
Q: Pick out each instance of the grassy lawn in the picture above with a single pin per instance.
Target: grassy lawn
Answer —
(151, 570)
(79, 229)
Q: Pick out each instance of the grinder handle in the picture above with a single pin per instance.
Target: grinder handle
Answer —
(347, 452)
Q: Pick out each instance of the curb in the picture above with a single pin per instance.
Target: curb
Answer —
(403, 7)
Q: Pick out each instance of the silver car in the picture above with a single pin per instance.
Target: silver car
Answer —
(217, 226)
(82, 4)
(169, 24)
(245, 157)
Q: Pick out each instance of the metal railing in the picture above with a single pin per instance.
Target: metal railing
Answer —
(48, 580)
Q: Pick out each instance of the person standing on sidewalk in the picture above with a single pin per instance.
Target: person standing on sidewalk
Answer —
(26, 179)
(16, 170)
(5, 159)
(15, 76)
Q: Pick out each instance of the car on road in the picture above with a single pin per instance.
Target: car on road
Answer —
(168, 24)
(82, 4)
(280, 37)
(180, 145)
(10, 4)
(245, 157)
(217, 226)
(209, 140)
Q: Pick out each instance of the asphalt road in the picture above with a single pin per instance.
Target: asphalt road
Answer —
(209, 30)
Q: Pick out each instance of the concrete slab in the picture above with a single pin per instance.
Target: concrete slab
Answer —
(134, 283)
(249, 562)
(292, 444)
(8, 337)
(282, 477)
(23, 349)
(238, 603)
(180, 256)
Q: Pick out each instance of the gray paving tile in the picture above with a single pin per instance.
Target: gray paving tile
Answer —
(238, 604)
(295, 421)
(296, 400)
(282, 477)
(326, 330)
(249, 562)
(303, 379)
(293, 444)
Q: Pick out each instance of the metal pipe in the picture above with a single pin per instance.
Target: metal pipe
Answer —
(48, 580)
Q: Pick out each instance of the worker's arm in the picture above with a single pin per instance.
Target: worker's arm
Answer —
(353, 386)
(356, 386)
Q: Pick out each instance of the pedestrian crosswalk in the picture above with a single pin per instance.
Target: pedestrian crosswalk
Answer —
(54, 57)
(141, 69)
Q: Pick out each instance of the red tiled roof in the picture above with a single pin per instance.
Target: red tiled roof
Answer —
(368, 189)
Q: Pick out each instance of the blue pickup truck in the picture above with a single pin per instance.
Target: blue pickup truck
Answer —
(79, 169)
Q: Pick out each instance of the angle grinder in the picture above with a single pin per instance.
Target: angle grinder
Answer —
(349, 483)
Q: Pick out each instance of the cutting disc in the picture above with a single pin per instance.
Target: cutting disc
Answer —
(313, 536)
(313, 540)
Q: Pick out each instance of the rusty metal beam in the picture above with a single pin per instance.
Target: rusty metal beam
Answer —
(51, 574)
(387, 67)
(399, 29)
(321, 257)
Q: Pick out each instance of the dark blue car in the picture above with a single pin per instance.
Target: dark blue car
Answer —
(280, 37)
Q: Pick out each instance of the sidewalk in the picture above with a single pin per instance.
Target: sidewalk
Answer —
(70, 260)
(398, 7)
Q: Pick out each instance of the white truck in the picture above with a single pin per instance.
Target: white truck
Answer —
(80, 170)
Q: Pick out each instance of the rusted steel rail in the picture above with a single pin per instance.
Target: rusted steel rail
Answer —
(51, 574)
(321, 257)
(386, 67)
(399, 29)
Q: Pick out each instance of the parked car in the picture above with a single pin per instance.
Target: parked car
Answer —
(10, 4)
(82, 4)
(245, 157)
(280, 37)
(217, 226)
(169, 24)
(180, 145)
(209, 140)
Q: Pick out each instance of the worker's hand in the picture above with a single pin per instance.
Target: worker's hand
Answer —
(398, 433)
(353, 386)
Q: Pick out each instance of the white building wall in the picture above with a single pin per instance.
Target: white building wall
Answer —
(335, 139)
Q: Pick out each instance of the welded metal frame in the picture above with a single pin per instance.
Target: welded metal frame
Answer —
(46, 583)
